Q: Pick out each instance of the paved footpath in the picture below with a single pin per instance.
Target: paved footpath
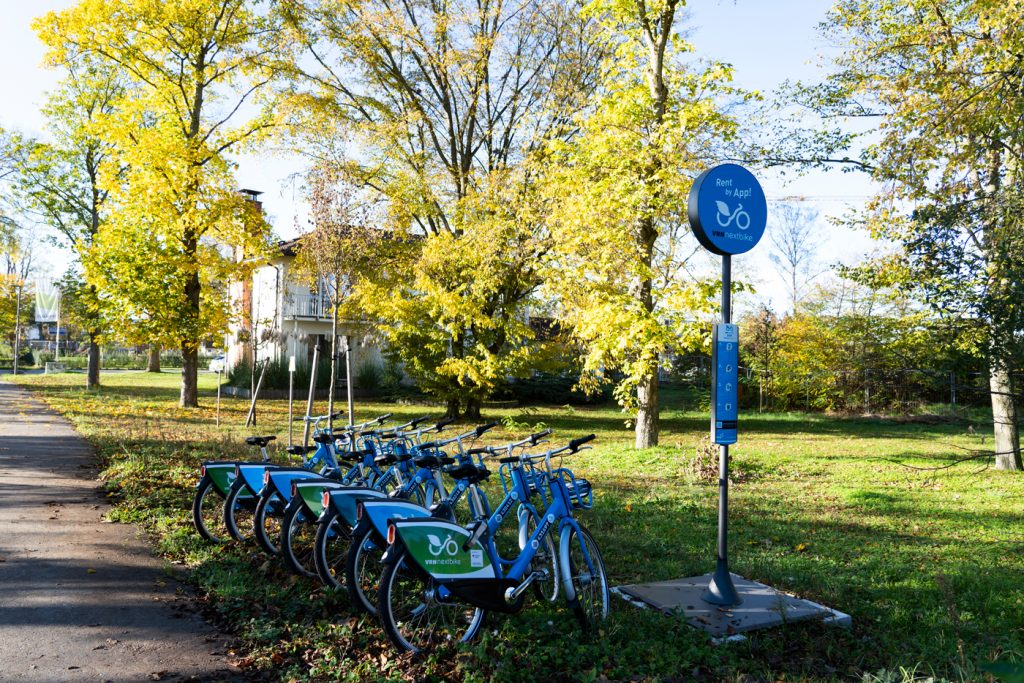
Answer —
(81, 599)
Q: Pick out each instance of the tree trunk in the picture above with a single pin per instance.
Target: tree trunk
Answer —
(92, 375)
(452, 408)
(191, 330)
(1004, 419)
(647, 410)
(473, 408)
(647, 388)
(153, 365)
(189, 375)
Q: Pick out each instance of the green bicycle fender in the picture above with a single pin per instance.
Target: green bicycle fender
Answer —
(435, 545)
(222, 475)
(311, 494)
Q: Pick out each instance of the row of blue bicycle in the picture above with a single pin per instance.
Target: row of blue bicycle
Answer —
(398, 518)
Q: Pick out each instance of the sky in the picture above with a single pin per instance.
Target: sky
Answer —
(766, 42)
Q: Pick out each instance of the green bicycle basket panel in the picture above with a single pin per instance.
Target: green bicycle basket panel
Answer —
(436, 546)
(222, 476)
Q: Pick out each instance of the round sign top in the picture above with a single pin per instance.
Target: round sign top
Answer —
(727, 209)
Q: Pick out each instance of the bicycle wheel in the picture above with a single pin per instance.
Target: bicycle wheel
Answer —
(330, 549)
(239, 512)
(298, 540)
(583, 576)
(545, 559)
(267, 522)
(415, 618)
(364, 565)
(208, 512)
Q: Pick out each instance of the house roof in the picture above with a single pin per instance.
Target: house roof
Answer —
(289, 247)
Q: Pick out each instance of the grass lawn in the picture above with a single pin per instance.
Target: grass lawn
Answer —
(930, 564)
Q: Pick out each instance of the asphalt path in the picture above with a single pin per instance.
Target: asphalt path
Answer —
(82, 599)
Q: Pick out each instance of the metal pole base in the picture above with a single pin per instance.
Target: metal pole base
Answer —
(721, 590)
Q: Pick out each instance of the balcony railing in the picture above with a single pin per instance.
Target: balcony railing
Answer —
(308, 306)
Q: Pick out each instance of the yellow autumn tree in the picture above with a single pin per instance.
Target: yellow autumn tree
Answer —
(618, 196)
(176, 222)
(444, 101)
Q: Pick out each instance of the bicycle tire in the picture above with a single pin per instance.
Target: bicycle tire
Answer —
(364, 566)
(412, 616)
(586, 582)
(208, 512)
(267, 523)
(298, 541)
(328, 558)
(239, 512)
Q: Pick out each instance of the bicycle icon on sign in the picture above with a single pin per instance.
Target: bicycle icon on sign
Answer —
(741, 217)
(436, 546)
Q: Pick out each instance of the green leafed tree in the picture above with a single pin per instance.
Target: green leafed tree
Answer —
(58, 181)
(618, 193)
(445, 100)
(943, 83)
(176, 223)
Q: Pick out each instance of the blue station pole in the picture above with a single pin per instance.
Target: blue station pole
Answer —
(721, 590)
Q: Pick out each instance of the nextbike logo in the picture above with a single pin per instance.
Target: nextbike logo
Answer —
(741, 217)
(733, 235)
(436, 546)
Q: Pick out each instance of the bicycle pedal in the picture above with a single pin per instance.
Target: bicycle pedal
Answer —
(513, 593)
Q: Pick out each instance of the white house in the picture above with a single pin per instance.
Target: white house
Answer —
(287, 318)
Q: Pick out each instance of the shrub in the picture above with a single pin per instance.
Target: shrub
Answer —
(549, 389)
(370, 377)
(276, 376)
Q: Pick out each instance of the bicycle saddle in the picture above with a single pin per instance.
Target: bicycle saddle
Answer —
(300, 450)
(391, 458)
(326, 439)
(468, 471)
(353, 456)
(432, 460)
(260, 441)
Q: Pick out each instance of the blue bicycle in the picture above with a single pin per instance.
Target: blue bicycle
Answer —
(247, 478)
(298, 526)
(363, 560)
(356, 448)
(440, 579)
(339, 524)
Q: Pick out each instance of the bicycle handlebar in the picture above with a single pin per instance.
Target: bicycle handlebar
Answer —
(534, 438)
(531, 440)
(414, 433)
(479, 431)
(319, 418)
(574, 445)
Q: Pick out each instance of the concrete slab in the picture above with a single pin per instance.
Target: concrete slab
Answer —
(761, 606)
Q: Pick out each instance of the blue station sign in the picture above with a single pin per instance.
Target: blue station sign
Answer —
(727, 209)
(725, 383)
